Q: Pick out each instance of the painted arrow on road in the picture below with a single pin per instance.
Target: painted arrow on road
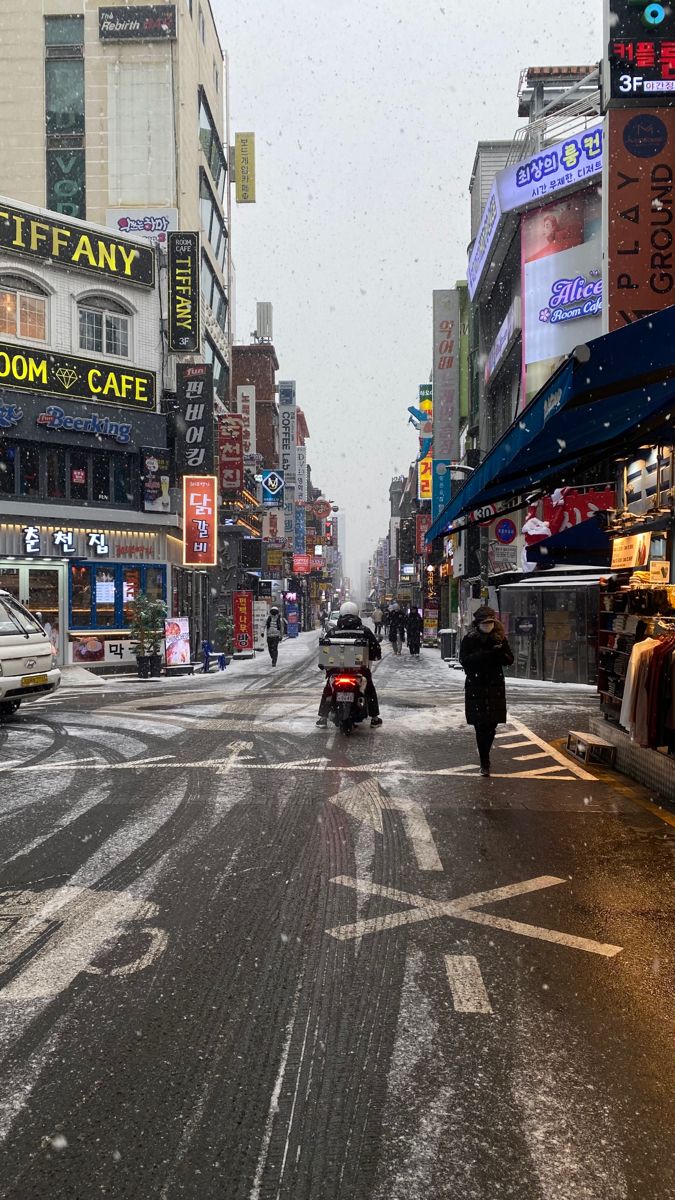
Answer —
(422, 908)
(367, 801)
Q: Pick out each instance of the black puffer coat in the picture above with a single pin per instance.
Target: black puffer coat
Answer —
(483, 655)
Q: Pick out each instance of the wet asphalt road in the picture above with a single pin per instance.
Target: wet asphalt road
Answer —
(226, 972)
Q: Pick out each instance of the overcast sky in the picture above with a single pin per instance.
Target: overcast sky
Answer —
(366, 116)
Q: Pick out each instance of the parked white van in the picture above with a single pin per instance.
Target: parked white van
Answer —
(27, 660)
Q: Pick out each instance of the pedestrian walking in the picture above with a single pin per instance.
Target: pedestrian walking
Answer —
(484, 653)
(274, 628)
(386, 617)
(414, 625)
(396, 628)
(377, 622)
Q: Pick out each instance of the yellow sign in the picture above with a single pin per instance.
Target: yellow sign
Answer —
(80, 246)
(74, 378)
(244, 167)
(631, 552)
(425, 478)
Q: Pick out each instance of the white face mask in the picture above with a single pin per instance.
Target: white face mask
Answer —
(486, 626)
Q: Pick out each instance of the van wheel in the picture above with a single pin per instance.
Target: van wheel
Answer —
(8, 707)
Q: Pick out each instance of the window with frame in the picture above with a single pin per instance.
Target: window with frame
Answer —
(102, 594)
(211, 144)
(23, 309)
(104, 328)
(213, 221)
(221, 374)
(76, 475)
(213, 293)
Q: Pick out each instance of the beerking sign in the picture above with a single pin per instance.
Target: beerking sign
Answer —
(184, 293)
(23, 231)
(67, 375)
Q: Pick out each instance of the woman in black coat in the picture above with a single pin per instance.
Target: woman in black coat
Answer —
(483, 654)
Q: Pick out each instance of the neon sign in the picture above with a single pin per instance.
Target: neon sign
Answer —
(571, 299)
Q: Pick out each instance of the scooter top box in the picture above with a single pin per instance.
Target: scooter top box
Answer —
(343, 652)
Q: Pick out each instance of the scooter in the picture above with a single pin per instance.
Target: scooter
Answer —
(348, 703)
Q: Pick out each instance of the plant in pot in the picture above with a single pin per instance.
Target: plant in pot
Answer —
(225, 635)
(147, 633)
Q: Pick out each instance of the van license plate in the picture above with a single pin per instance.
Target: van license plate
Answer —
(34, 680)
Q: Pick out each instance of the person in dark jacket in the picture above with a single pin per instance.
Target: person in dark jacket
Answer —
(413, 627)
(274, 629)
(396, 628)
(484, 653)
(350, 623)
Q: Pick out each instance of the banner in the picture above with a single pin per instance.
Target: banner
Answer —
(242, 612)
(260, 615)
(293, 619)
(245, 403)
(244, 167)
(273, 488)
(445, 380)
(155, 480)
(639, 199)
(230, 453)
(422, 526)
(200, 520)
(193, 423)
(177, 641)
(184, 292)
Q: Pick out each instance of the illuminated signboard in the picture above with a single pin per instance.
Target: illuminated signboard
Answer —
(200, 520)
(641, 49)
(30, 232)
(184, 292)
(74, 378)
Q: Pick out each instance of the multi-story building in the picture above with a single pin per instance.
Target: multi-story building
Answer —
(86, 520)
(115, 114)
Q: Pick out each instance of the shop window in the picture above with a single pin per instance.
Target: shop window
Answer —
(81, 614)
(79, 475)
(123, 486)
(7, 469)
(104, 595)
(101, 596)
(23, 309)
(56, 473)
(29, 470)
(101, 479)
(104, 328)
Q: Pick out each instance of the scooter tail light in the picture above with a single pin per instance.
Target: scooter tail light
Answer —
(345, 681)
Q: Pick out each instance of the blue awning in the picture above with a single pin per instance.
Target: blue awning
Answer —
(610, 393)
(581, 544)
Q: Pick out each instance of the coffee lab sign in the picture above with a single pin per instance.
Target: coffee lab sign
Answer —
(30, 232)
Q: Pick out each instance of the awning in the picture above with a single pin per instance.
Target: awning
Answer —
(581, 544)
(611, 393)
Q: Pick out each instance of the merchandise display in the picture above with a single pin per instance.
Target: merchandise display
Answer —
(636, 652)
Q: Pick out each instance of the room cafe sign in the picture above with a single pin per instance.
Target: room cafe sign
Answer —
(32, 233)
(68, 376)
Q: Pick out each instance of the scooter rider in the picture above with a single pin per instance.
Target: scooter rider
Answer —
(349, 622)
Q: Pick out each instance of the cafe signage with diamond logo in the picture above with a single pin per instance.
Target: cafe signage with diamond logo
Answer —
(30, 370)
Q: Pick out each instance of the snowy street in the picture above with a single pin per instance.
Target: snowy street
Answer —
(244, 957)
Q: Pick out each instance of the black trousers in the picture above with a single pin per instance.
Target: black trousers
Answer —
(370, 696)
(485, 736)
(273, 647)
(378, 628)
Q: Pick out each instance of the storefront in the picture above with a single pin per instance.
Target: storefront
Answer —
(551, 622)
(82, 577)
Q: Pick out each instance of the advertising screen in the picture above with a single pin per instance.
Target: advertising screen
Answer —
(561, 252)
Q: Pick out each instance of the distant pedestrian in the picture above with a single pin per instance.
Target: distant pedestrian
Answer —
(484, 653)
(386, 618)
(414, 626)
(377, 622)
(396, 628)
(274, 627)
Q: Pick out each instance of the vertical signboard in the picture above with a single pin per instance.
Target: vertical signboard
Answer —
(242, 612)
(639, 202)
(273, 488)
(230, 453)
(184, 293)
(287, 455)
(246, 408)
(301, 474)
(200, 520)
(425, 477)
(193, 422)
(445, 382)
(299, 531)
(640, 39)
(244, 167)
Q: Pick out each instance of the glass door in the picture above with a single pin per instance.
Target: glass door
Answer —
(44, 601)
(9, 581)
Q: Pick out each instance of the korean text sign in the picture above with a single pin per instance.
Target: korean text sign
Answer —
(200, 520)
(242, 611)
(194, 419)
(231, 453)
(641, 50)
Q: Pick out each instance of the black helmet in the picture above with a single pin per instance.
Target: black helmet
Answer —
(349, 621)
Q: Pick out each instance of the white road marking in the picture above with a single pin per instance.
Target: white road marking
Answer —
(466, 984)
(366, 802)
(421, 908)
(236, 756)
(273, 1109)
